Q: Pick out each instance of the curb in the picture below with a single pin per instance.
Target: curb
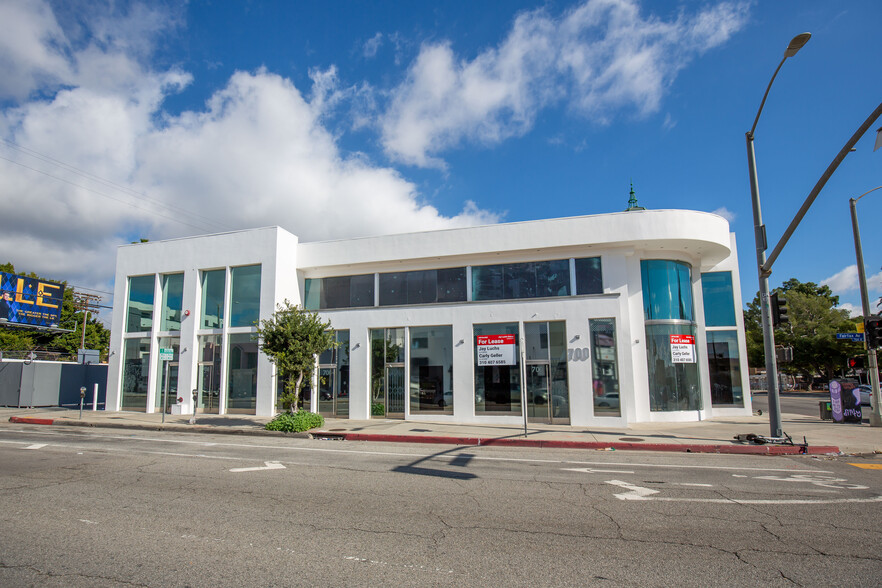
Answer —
(450, 440)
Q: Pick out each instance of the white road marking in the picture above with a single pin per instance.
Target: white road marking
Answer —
(641, 493)
(693, 484)
(824, 481)
(427, 455)
(270, 465)
(87, 522)
(36, 446)
(593, 471)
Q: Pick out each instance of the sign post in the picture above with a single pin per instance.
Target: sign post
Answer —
(165, 355)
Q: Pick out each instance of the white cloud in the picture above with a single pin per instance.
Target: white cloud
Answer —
(257, 154)
(853, 311)
(725, 213)
(843, 281)
(372, 45)
(601, 57)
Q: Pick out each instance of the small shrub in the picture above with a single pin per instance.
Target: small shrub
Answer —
(300, 421)
(378, 409)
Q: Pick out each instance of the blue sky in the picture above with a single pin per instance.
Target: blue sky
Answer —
(123, 120)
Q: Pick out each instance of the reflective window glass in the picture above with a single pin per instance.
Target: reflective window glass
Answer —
(719, 299)
(431, 370)
(245, 296)
(497, 369)
(213, 299)
(167, 372)
(452, 284)
(604, 366)
(139, 316)
(423, 287)
(172, 302)
(242, 374)
(361, 291)
(339, 292)
(673, 377)
(667, 289)
(725, 368)
(589, 276)
(208, 384)
(509, 281)
(136, 366)
(312, 294)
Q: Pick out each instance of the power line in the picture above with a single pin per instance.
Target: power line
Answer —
(109, 183)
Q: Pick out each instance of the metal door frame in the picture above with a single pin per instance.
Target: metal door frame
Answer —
(200, 366)
(395, 415)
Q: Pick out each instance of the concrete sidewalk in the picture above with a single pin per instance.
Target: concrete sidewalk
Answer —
(711, 436)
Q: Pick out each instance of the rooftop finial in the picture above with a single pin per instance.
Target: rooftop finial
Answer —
(632, 202)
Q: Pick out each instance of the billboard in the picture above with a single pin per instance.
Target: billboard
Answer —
(30, 301)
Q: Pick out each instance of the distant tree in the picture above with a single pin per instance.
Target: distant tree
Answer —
(292, 338)
(814, 322)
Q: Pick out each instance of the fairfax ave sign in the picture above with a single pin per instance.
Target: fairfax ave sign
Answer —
(496, 350)
(682, 349)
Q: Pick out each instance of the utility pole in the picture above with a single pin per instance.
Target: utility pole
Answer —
(87, 303)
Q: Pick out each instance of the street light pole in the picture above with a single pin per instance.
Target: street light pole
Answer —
(760, 237)
(876, 412)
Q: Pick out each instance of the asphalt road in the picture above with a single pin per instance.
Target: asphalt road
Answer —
(83, 507)
(805, 403)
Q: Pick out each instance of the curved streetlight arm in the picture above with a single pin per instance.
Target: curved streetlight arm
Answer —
(766, 95)
(766, 268)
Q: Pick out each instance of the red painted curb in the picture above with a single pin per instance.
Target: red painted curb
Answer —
(31, 420)
(596, 445)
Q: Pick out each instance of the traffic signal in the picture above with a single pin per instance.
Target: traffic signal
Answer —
(873, 332)
(779, 309)
(855, 363)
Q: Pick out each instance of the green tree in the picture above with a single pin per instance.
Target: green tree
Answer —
(814, 322)
(291, 339)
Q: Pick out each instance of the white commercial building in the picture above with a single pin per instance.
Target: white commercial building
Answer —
(597, 320)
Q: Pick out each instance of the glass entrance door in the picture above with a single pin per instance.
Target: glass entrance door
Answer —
(326, 390)
(207, 401)
(538, 397)
(169, 378)
(395, 391)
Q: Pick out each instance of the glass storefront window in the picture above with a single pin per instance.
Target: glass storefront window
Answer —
(605, 369)
(333, 378)
(546, 354)
(672, 363)
(136, 367)
(719, 299)
(725, 368)
(388, 387)
(208, 384)
(213, 299)
(509, 281)
(245, 296)
(667, 290)
(139, 315)
(431, 370)
(589, 276)
(339, 292)
(423, 287)
(169, 375)
(242, 374)
(673, 385)
(497, 387)
(172, 302)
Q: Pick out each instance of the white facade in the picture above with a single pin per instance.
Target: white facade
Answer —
(695, 243)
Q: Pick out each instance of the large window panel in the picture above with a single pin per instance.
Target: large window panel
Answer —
(667, 290)
(512, 281)
(498, 387)
(431, 370)
(339, 292)
(245, 296)
(242, 374)
(605, 368)
(589, 276)
(139, 315)
(724, 365)
(136, 367)
(673, 386)
(172, 302)
(213, 299)
(719, 299)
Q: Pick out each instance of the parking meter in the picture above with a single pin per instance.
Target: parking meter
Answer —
(195, 397)
(82, 395)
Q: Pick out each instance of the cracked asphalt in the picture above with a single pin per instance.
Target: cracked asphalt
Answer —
(138, 508)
